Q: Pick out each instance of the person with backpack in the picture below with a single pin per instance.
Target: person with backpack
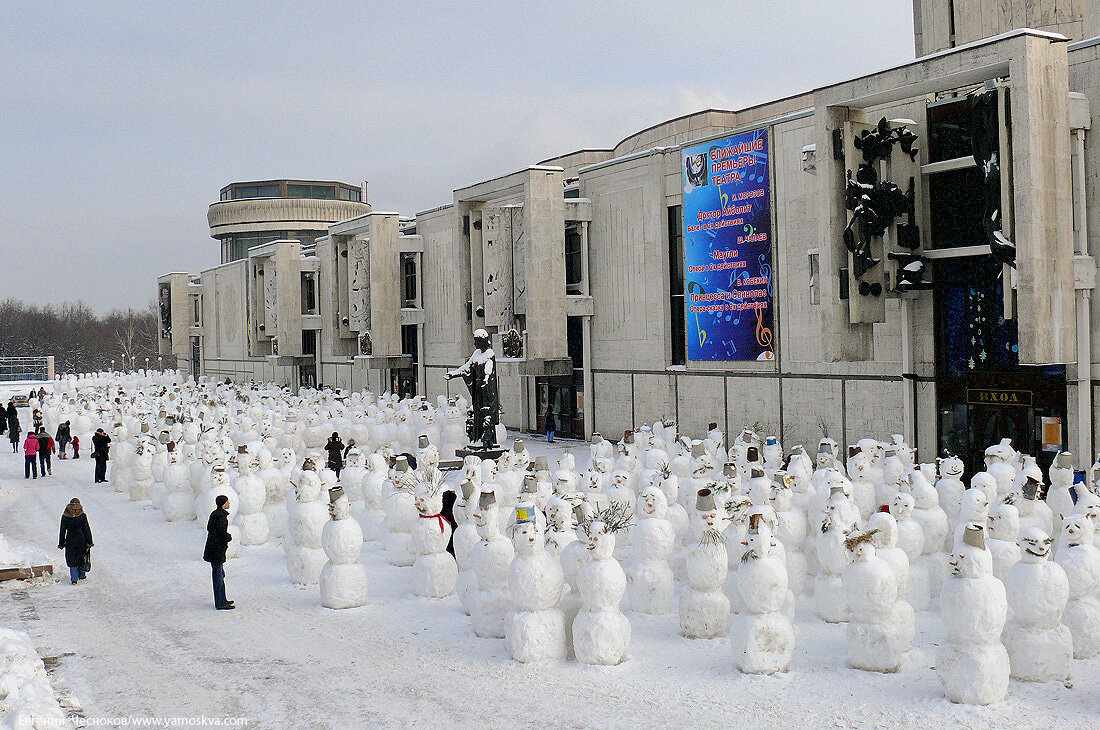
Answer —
(30, 452)
(45, 453)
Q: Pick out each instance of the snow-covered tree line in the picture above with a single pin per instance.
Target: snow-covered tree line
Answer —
(78, 338)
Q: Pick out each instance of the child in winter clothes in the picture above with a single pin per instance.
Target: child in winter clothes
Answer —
(76, 447)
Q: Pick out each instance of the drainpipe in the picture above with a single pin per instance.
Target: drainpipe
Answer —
(1084, 306)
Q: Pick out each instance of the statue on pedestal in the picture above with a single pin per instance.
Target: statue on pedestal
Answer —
(479, 373)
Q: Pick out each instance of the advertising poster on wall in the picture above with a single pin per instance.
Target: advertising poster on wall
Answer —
(727, 248)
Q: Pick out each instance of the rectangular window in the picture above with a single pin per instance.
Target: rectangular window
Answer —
(815, 289)
(309, 342)
(408, 273)
(676, 284)
(197, 303)
(574, 271)
(409, 342)
(309, 293)
(297, 191)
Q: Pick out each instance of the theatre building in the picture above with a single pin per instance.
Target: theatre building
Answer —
(904, 252)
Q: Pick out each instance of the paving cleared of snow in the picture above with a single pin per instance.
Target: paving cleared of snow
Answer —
(140, 638)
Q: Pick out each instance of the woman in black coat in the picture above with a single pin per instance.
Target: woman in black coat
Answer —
(335, 449)
(14, 430)
(75, 539)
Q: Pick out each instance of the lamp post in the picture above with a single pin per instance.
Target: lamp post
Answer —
(112, 366)
(160, 363)
(146, 366)
(123, 362)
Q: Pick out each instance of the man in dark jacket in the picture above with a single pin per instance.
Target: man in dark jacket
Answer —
(101, 447)
(63, 437)
(217, 540)
(45, 450)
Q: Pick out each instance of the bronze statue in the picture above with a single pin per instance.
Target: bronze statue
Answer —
(479, 373)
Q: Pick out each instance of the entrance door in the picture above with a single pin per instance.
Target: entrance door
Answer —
(558, 395)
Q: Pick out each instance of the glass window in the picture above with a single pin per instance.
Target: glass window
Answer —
(309, 293)
(322, 192)
(953, 224)
(408, 272)
(573, 266)
(297, 191)
(676, 284)
(408, 342)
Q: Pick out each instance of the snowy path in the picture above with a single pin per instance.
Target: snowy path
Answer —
(145, 640)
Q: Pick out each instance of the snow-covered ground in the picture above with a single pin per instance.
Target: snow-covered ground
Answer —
(140, 638)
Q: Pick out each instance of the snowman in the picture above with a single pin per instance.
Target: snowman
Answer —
(830, 600)
(911, 540)
(351, 479)
(141, 472)
(601, 633)
(863, 487)
(1040, 647)
(1059, 497)
(434, 570)
(179, 502)
(1081, 561)
(762, 637)
(649, 579)
(343, 580)
(971, 661)
(790, 531)
(275, 488)
(1001, 539)
(1034, 512)
(949, 487)
(536, 628)
(465, 542)
(372, 517)
(877, 642)
(704, 608)
(305, 556)
(560, 529)
(489, 604)
(252, 494)
(401, 514)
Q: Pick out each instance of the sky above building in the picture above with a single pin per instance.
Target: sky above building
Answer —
(120, 121)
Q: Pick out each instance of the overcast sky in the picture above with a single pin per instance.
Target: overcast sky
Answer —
(120, 121)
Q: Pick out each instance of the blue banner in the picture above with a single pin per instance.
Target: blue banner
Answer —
(728, 249)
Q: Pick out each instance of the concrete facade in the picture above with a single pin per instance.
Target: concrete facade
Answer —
(572, 255)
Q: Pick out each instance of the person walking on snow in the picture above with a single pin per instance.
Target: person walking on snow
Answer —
(30, 451)
(63, 437)
(45, 451)
(76, 447)
(13, 433)
(75, 539)
(551, 424)
(335, 449)
(217, 540)
(101, 447)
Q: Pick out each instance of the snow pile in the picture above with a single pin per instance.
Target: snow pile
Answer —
(26, 698)
(20, 556)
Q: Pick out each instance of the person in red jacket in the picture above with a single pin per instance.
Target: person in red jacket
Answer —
(30, 451)
(45, 452)
(76, 447)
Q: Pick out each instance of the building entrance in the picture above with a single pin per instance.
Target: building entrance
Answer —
(983, 394)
